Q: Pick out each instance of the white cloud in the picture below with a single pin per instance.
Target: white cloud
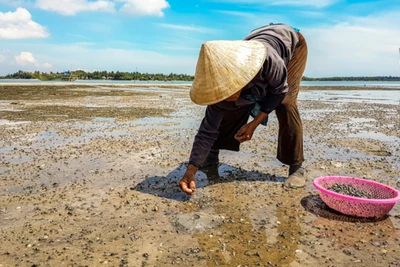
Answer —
(237, 13)
(361, 46)
(144, 7)
(312, 14)
(19, 24)
(28, 62)
(191, 28)
(312, 3)
(46, 66)
(25, 58)
(71, 7)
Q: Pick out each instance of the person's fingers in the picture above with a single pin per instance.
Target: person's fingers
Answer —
(192, 186)
(241, 139)
(187, 187)
(241, 131)
(184, 187)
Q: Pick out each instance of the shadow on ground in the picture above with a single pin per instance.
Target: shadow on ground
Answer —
(167, 186)
(315, 205)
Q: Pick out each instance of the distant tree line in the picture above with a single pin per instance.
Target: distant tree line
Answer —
(111, 75)
(358, 78)
(98, 75)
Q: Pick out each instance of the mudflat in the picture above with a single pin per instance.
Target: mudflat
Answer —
(89, 177)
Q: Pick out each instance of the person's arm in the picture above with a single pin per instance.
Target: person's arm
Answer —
(206, 136)
(204, 140)
(246, 132)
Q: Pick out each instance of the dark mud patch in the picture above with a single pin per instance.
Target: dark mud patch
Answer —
(18, 93)
(62, 113)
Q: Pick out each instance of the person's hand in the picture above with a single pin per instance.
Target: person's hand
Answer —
(245, 133)
(187, 183)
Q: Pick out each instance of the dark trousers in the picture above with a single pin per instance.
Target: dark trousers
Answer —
(290, 138)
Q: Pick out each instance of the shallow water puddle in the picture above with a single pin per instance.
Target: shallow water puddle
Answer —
(252, 231)
(49, 139)
(394, 140)
(103, 119)
(351, 96)
(315, 114)
(18, 152)
(178, 120)
(231, 216)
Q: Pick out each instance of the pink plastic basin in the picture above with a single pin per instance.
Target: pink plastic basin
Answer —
(383, 197)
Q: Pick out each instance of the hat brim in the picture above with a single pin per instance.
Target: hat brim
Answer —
(224, 68)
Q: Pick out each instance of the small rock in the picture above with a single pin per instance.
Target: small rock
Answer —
(297, 251)
(338, 165)
(376, 244)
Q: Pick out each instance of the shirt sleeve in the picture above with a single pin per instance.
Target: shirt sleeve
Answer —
(275, 74)
(207, 134)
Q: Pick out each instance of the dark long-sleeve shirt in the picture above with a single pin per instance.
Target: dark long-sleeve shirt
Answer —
(269, 86)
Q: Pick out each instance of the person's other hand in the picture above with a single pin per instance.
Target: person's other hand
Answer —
(245, 133)
(187, 183)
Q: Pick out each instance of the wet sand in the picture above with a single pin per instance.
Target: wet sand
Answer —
(89, 173)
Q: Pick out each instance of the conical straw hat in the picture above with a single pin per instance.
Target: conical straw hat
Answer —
(225, 67)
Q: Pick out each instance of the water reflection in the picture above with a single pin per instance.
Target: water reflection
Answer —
(390, 97)
(255, 229)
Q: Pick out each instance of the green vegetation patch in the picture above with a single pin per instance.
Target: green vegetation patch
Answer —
(14, 92)
(63, 113)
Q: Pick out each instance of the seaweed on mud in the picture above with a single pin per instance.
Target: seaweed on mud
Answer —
(13, 92)
(62, 113)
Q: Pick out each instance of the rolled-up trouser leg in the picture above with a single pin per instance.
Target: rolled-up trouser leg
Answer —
(290, 138)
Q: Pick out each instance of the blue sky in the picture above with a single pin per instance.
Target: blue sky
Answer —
(345, 38)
